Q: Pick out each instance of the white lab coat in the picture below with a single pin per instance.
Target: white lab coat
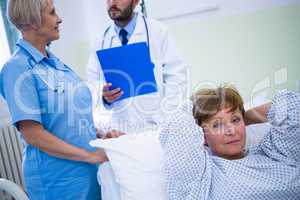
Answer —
(170, 74)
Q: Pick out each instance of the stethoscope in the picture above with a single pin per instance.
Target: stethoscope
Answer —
(51, 78)
(57, 88)
(111, 39)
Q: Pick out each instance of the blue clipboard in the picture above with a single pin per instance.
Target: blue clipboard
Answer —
(129, 67)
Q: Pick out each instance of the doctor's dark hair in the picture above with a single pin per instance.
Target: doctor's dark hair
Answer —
(207, 102)
(23, 13)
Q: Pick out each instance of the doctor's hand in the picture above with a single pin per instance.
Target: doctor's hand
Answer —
(111, 95)
(110, 134)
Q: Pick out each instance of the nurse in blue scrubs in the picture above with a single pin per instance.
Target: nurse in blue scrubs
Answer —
(51, 107)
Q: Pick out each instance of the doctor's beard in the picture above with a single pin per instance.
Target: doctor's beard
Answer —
(123, 15)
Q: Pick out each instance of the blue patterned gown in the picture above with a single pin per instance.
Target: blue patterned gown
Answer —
(269, 171)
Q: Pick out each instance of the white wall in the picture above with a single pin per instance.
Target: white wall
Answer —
(4, 49)
(91, 19)
(4, 113)
(4, 55)
(200, 9)
(257, 50)
(83, 21)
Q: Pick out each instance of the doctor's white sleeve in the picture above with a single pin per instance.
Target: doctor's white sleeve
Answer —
(95, 79)
(175, 74)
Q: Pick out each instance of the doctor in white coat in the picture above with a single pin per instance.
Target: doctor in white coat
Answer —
(170, 72)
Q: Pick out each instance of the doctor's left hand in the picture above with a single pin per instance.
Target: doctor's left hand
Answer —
(109, 96)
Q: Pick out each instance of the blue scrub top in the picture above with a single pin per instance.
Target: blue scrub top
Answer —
(45, 90)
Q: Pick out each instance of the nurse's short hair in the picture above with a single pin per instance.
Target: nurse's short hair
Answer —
(207, 102)
(23, 13)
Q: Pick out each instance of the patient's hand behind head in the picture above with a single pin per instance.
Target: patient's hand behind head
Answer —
(220, 112)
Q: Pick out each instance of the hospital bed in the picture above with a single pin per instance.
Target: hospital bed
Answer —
(135, 170)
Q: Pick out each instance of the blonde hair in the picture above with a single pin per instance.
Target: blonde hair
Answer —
(23, 13)
(207, 102)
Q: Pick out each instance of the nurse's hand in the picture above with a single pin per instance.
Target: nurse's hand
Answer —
(111, 95)
(96, 157)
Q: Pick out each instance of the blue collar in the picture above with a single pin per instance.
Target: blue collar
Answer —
(55, 62)
(31, 50)
(37, 56)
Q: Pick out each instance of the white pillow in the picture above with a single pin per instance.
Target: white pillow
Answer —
(255, 133)
(135, 170)
(110, 189)
(137, 163)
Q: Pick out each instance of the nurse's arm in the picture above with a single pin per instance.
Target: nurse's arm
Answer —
(35, 134)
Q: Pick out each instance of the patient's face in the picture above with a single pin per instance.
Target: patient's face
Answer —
(225, 133)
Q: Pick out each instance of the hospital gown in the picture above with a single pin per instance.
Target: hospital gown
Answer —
(269, 171)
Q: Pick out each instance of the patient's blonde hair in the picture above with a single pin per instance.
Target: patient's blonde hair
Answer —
(23, 13)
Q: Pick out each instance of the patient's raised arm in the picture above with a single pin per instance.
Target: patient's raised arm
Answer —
(184, 157)
(283, 141)
(257, 115)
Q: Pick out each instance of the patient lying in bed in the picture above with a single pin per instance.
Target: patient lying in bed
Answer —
(213, 163)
